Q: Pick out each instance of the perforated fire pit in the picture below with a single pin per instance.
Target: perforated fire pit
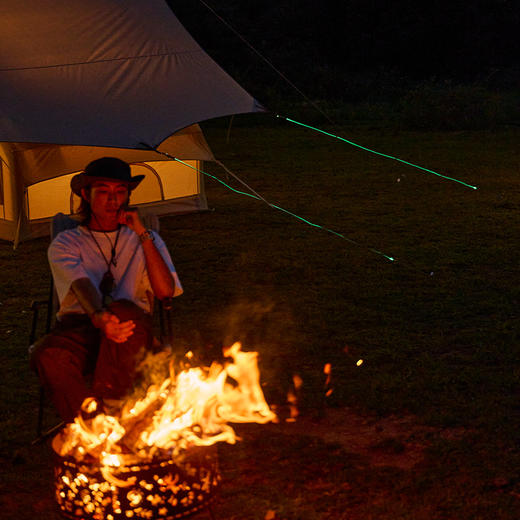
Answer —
(159, 490)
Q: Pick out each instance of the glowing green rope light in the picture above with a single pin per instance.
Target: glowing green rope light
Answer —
(378, 153)
(391, 259)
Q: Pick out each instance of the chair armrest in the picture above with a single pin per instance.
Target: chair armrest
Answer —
(165, 320)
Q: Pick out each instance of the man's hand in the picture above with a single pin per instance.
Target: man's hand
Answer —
(130, 217)
(161, 280)
(112, 327)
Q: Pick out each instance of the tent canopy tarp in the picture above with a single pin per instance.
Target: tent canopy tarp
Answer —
(113, 73)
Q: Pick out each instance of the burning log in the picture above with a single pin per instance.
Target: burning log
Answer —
(155, 457)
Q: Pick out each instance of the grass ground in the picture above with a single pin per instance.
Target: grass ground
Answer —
(437, 396)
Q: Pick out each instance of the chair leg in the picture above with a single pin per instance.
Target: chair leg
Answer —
(41, 406)
(210, 511)
(35, 307)
(40, 434)
(45, 435)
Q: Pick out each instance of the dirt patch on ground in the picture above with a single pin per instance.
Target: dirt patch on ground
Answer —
(397, 441)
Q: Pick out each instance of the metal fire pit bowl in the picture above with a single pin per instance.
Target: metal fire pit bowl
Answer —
(160, 490)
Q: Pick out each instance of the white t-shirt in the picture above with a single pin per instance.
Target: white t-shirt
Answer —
(73, 254)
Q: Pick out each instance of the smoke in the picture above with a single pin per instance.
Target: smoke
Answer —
(154, 368)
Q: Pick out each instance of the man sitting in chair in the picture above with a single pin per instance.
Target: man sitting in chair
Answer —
(105, 271)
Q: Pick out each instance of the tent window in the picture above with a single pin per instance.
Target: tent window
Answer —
(150, 189)
(49, 197)
(164, 181)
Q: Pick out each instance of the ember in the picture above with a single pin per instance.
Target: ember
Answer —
(151, 458)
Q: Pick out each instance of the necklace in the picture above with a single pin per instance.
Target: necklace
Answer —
(107, 284)
(112, 246)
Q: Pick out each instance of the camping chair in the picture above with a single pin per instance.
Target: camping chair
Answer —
(61, 222)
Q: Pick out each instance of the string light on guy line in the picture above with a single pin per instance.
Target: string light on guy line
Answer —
(256, 196)
(378, 153)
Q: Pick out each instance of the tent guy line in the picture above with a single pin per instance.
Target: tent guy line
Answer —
(377, 153)
(263, 58)
(256, 196)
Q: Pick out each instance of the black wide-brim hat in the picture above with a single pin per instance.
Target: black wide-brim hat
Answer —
(105, 168)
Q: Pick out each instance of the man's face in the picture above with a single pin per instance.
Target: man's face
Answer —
(106, 198)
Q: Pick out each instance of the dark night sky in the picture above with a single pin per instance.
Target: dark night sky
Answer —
(335, 42)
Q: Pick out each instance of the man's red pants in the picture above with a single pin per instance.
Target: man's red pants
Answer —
(75, 348)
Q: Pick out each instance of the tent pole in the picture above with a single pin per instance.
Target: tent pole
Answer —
(18, 229)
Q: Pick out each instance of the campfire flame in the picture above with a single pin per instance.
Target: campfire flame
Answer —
(151, 458)
(190, 408)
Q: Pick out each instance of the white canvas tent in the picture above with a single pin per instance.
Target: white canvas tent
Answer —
(35, 180)
(80, 80)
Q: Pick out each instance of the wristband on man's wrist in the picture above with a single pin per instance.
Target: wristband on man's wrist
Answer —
(146, 235)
